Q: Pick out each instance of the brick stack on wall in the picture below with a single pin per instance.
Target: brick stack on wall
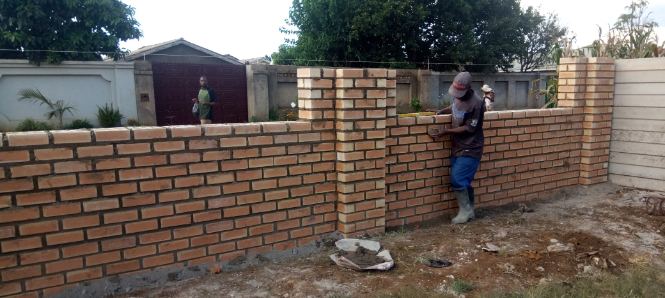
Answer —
(77, 206)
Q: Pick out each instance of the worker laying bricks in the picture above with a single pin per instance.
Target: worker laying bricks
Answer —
(468, 139)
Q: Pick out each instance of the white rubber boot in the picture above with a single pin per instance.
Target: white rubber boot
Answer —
(465, 210)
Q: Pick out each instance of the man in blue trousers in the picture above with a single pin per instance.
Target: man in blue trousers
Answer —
(468, 140)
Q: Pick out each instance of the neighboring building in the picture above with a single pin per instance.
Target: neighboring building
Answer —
(180, 51)
(256, 61)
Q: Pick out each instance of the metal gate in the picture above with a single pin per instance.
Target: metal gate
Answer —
(177, 83)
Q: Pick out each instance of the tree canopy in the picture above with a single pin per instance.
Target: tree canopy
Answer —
(56, 30)
(481, 35)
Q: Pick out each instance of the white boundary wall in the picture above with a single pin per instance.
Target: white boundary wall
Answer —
(637, 150)
(84, 84)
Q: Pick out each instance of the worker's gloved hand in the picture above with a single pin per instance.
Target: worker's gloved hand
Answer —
(437, 134)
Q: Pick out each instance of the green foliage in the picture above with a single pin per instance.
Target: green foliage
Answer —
(461, 286)
(35, 27)
(78, 124)
(32, 125)
(253, 119)
(631, 37)
(273, 115)
(133, 122)
(541, 33)
(416, 105)
(440, 34)
(108, 117)
(56, 109)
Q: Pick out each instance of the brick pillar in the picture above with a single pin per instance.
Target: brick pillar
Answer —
(360, 124)
(598, 101)
(316, 95)
(588, 83)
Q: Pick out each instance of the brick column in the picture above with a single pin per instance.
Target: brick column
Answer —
(360, 124)
(598, 101)
(316, 95)
(588, 83)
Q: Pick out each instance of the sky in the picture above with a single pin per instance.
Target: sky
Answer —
(250, 28)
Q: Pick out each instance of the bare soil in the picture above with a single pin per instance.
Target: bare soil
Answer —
(601, 222)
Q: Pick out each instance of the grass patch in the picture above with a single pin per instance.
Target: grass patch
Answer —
(638, 282)
(461, 286)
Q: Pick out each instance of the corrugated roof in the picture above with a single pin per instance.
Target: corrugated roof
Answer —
(147, 50)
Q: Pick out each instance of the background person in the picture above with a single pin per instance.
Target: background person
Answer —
(206, 101)
(468, 140)
(488, 96)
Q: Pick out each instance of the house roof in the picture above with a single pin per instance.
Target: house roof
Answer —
(256, 60)
(151, 49)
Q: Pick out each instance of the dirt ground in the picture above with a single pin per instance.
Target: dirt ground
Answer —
(604, 222)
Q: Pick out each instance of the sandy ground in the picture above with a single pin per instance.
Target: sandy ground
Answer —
(603, 222)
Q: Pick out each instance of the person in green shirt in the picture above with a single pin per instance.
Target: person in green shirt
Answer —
(206, 101)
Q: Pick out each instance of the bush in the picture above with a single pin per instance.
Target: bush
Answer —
(273, 115)
(32, 125)
(108, 117)
(79, 124)
(133, 122)
(416, 105)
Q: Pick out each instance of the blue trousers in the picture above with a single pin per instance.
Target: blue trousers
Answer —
(462, 171)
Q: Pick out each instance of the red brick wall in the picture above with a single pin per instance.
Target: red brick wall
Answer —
(527, 154)
(79, 205)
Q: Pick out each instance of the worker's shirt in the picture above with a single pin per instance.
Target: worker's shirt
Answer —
(206, 95)
(469, 113)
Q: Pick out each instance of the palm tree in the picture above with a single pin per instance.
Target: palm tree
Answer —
(57, 109)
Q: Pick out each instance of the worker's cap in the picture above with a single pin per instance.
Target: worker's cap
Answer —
(461, 85)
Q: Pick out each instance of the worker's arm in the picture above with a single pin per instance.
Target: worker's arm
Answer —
(443, 132)
(445, 111)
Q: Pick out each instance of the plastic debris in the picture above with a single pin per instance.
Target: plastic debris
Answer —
(491, 247)
(362, 249)
(561, 247)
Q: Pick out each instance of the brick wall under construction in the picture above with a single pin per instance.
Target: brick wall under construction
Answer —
(77, 206)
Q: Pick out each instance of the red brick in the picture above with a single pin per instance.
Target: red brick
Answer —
(38, 257)
(139, 200)
(118, 243)
(66, 265)
(19, 215)
(116, 163)
(219, 178)
(86, 274)
(284, 245)
(207, 216)
(101, 205)
(176, 221)
(78, 193)
(221, 248)
(103, 232)
(15, 156)
(204, 240)
(200, 168)
(21, 273)
(235, 234)
(191, 254)
(137, 148)
(169, 146)
(141, 226)
(79, 250)
(157, 211)
(135, 174)
(32, 138)
(185, 158)
(249, 175)
(261, 230)
(11, 288)
(190, 207)
(72, 167)
(52, 154)
(221, 202)
(94, 151)
(235, 188)
(96, 178)
(204, 192)
(117, 217)
(55, 181)
(187, 232)
(289, 224)
(155, 160)
(273, 217)
(237, 211)
(173, 245)
(30, 170)
(171, 171)
(219, 226)
(202, 144)
(120, 189)
(138, 252)
(172, 196)
(38, 228)
(158, 260)
(247, 222)
(122, 267)
(44, 282)
(300, 212)
(185, 182)
(253, 242)
(163, 184)
(35, 198)
(103, 258)
(7, 232)
(155, 237)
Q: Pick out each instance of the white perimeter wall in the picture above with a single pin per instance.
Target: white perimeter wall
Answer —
(84, 84)
(637, 150)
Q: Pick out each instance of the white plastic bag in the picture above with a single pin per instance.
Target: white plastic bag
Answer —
(351, 245)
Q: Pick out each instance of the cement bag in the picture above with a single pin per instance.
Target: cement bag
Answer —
(362, 255)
